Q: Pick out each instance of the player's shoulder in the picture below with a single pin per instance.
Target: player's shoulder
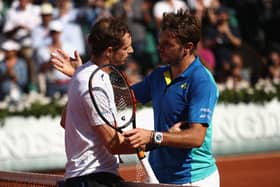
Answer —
(84, 71)
(200, 71)
(84, 68)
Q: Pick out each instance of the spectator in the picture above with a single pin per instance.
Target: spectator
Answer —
(198, 7)
(65, 11)
(91, 12)
(274, 66)
(150, 56)
(72, 32)
(40, 34)
(207, 56)
(222, 38)
(163, 6)
(13, 72)
(239, 77)
(1, 15)
(21, 18)
(237, 60)
(56, 82)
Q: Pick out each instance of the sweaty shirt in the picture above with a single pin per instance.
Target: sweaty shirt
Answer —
(190, 97)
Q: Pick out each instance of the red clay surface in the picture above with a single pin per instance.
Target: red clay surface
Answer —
(259, 170)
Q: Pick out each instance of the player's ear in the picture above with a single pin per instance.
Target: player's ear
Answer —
(109, 52)
(188, 48)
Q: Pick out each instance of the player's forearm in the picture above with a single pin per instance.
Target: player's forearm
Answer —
(118, 145)
(182, 139)
(185, 138)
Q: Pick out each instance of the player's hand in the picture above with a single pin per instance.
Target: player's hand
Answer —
(64, 63)
(138, 137)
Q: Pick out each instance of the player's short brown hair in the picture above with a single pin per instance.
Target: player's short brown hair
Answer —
(183, 26)
(107, 32)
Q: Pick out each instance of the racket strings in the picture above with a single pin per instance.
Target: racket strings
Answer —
(140, 174)
(104, 105)
(122, 98)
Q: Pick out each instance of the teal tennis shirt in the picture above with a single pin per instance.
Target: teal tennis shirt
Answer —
(190, 97)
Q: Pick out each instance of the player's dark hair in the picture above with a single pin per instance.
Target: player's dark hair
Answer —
(107, 32)
(182, 25)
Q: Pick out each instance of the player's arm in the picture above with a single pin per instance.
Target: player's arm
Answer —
(193, 136)
(182, 137)
(113, 140)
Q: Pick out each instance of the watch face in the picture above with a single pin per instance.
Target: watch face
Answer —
(158, 137)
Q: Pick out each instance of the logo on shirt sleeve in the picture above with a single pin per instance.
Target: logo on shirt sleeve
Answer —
(205, 113)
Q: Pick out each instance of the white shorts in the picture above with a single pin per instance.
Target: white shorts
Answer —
(211, 181)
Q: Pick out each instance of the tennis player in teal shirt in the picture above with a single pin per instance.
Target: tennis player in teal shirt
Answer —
(183, 95)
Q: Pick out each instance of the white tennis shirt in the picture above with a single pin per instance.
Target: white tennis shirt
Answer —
(84, 150)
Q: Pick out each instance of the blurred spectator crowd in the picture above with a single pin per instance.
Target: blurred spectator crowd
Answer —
(240, 39)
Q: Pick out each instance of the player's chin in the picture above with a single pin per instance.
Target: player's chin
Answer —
(119, 62)
(163, 57)
(163, 60)
(124, 61)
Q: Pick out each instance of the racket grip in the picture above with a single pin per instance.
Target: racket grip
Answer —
(151, 178)
(140, 153)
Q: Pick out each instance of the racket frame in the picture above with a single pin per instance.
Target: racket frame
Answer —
(140, 153)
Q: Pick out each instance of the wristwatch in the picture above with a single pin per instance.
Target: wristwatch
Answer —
(158, 138)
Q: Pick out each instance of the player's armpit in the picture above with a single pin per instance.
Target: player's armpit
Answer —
(63, 117)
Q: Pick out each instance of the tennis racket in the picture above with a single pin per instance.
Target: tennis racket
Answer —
(115, 103)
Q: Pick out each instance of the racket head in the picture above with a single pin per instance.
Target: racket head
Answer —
(112, 96)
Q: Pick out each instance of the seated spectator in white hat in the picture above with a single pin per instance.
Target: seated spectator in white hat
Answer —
(40, 34)
(13, 72)
(66, 12)
(55, 81)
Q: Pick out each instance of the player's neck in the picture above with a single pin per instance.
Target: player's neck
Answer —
(178, 69)
(99, 60)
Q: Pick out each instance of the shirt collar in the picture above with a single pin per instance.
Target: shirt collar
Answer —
(167, 74)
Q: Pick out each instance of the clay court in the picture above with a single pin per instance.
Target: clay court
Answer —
(258, 170)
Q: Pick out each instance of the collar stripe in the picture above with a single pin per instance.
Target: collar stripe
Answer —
(167, 77)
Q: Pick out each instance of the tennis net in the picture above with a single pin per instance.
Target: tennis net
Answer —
(27, 179)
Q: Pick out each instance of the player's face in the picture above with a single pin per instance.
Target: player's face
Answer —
(120, 56)
(170, 50)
